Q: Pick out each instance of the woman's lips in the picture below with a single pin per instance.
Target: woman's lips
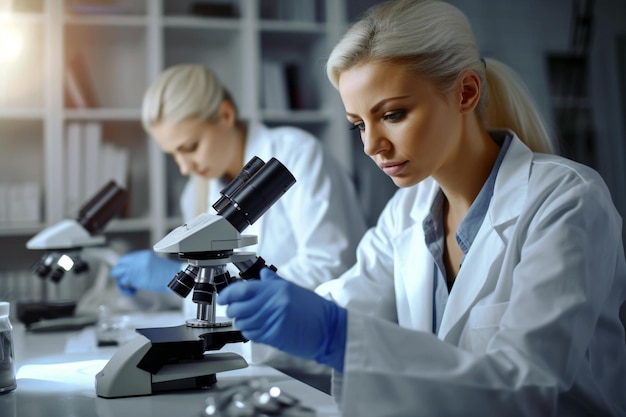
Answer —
(392, 168)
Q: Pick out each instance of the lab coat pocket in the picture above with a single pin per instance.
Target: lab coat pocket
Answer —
(483, 323)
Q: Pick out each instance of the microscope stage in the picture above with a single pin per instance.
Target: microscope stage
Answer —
(184, 342)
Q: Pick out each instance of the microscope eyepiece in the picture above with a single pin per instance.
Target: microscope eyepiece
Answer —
(243, 201)
(240, 180)
(106, 204)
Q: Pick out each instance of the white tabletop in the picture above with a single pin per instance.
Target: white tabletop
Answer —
(56, 377)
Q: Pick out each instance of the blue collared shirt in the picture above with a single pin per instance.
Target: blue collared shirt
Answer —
(434, 232)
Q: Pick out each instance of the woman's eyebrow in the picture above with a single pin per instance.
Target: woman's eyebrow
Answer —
(378, 105)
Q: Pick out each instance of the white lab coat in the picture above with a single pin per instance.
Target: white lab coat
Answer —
(531, 326)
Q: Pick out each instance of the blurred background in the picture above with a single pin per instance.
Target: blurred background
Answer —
(72, 74)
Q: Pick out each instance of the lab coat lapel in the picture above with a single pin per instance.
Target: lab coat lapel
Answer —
(477, 277)
(481, 267)
(415, 290)
(414, 282)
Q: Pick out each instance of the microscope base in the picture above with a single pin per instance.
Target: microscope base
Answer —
(29, 312)
(122, 377)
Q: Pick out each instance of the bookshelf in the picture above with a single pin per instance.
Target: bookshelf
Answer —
(88, 62)
(572, 106)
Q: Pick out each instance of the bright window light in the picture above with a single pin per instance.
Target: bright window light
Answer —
(11, 44)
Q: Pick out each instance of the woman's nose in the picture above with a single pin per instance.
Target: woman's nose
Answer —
(374, 141)
(184, 164)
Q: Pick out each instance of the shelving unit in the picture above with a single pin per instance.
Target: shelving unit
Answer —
(572, 107)
(123, 46)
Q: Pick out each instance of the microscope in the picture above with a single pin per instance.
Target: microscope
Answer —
(174, 358)
(67, 246)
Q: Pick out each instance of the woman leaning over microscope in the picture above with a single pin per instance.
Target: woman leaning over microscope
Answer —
(492, 283)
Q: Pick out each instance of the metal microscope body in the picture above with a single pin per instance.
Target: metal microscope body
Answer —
(208, 243)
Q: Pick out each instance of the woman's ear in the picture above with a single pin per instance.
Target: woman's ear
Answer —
(469, 89)
(227, 113)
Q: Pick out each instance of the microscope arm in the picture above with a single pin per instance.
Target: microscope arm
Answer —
(102, 292)
(65, 234)
(105, 292)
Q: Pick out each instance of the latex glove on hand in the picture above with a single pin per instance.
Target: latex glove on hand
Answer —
(288, 317)
(144, 270)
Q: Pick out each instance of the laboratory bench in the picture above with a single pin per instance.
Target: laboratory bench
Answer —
(56, 377)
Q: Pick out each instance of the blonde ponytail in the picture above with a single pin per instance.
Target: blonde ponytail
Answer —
(507, 104)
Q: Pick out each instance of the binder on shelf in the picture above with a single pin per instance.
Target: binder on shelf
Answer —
(122, 161)
(211, 9)
(274, 89)
(79, 91)
(23, 202)
(294, 86)
(91, 163)
(114, 164)
(74, 168)
(93, 147)
(4, 203)
(96, 7)
(289, 10)
(30, 211)
(303, 11)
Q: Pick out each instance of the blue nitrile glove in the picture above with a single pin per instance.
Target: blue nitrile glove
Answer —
(144, 270)
(288, 317)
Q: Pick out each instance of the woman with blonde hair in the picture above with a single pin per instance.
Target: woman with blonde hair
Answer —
(492, 282)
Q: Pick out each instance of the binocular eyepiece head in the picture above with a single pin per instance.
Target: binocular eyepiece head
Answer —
(253, 191)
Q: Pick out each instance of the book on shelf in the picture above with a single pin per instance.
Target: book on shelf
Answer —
(96, 6)
(79, 91)
(274, 90)
(113, 164)
(92, 141)
(91, 162)
(289, 10)
(74, 166)
(213, 9)
(20, 202)
(303, 11)
(282, 87)
(29, 207)
(4, 204)
(294, 86)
